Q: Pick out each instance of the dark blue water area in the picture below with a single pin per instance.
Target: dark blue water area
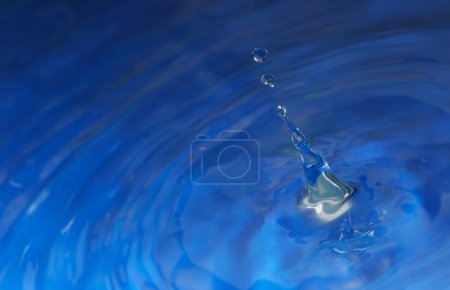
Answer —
(102, 103)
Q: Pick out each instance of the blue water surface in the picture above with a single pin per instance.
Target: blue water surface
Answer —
(100, 104)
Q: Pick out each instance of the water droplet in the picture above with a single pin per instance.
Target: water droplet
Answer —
(268, 80)
(260, 54)
(282, 111)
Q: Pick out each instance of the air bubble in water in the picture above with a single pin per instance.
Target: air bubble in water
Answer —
(268, 80)
(260, 54)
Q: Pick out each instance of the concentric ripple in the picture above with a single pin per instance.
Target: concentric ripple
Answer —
(100, 102)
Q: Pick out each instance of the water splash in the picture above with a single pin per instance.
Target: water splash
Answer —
(325, 193)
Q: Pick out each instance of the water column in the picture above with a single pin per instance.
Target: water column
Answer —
(325, 193)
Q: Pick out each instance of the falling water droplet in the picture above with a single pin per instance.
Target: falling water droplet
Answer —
(325, 193)
(260, 54)
(268, 80)
(282, 111)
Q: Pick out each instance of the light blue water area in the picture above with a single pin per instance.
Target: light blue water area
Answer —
(102, 104)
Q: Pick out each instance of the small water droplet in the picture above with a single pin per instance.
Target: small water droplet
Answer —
(260, 54)
(268, 80)
(282, 111)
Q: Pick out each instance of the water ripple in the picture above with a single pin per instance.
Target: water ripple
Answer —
(101, 101)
